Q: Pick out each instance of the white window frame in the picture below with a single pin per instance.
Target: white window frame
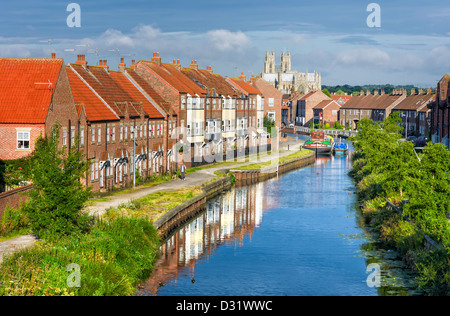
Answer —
(23, 139)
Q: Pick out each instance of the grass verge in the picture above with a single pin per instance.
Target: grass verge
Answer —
(113, 258)
(282, 159)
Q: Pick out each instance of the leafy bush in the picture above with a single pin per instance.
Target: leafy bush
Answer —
(385, 167)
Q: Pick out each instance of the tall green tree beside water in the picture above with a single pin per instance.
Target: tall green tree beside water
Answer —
(58, 196)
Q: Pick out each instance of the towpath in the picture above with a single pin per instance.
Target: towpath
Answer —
(99, 206)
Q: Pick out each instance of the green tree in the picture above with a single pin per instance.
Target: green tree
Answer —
(325, 90)
(57, 196)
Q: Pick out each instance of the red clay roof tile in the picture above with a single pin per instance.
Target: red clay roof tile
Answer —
(94, 107)
(175, 78)
(26, 88)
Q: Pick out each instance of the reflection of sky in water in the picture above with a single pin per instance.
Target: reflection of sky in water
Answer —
(295, 235)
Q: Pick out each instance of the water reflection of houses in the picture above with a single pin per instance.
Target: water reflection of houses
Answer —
(228, 218)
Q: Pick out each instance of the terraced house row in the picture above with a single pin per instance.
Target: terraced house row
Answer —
(131, 117)
(378, 106)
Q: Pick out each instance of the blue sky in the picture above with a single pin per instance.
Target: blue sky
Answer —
(412, 46)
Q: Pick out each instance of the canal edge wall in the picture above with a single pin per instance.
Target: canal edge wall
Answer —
(182, 213)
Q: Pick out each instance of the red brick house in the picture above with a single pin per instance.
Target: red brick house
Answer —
(220, 106)
(273, 100)
(113, 112)
(325, 112)
(376, 106)
(304, 108)
(186, 98)
(249, 112)
(34, 95)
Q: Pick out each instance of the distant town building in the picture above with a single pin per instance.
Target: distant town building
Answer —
(378, 105)
(287, 80)
(440, 113)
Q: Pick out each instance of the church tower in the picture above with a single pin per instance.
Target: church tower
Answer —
(269, 63)
(286, 62)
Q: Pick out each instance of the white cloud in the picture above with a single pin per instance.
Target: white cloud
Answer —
(115, 38)
(224, 40)
(363, 57)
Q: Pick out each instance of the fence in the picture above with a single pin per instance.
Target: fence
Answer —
(342, 133)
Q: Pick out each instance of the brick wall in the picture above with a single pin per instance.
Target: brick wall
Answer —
(8, 139)
(311, 102)
(269, 91)
(62, 110)
(13, 198)
(328, 115)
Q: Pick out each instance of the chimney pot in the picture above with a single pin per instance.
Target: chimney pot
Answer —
(53, 55)
(122, 65)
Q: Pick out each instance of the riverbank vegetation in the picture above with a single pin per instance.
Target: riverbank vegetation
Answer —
(417, 182)
(112, 259)
(76, 255)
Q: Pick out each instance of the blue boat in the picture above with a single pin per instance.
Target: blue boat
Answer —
(340, 148)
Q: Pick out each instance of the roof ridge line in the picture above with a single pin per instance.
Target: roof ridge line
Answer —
(95, 92)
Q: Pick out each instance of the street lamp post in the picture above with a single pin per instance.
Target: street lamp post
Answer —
(406, 124)
(134, 154)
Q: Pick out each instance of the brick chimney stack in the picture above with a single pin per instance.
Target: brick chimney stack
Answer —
(375, 92)
(413, 91)
(428, 90)
(382, 92)
(209, 69)
(53, 56)
(81, 60)
(156, 58)
(103, 64)
(420, 91)
(368, 92)
(242, 76)
(193, 64)
(122, 65)
(133, 64)
(176, 63)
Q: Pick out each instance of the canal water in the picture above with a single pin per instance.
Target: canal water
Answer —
(295, 235)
